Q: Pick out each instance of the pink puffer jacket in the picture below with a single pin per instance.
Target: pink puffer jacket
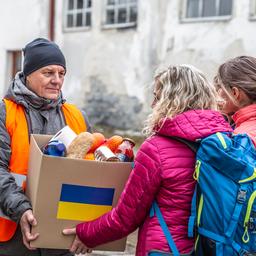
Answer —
(163, 171)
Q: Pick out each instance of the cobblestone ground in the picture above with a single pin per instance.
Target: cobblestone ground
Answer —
(129, 251)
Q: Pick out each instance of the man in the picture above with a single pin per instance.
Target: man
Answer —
(33, 104)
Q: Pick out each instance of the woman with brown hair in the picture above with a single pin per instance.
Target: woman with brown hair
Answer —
(236, 84)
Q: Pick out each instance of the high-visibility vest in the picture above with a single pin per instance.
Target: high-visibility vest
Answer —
(16, 125)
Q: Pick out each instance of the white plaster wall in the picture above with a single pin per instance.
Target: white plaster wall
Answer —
(125, 59)
(207, 44)
(121, 59)
(21, 22)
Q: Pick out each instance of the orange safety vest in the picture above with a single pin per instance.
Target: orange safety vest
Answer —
(16, 125)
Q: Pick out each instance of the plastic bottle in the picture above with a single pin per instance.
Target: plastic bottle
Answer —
(125, 150)
(55, 148)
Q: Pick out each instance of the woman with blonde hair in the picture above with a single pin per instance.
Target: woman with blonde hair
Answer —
(184, 106)
(236, 84)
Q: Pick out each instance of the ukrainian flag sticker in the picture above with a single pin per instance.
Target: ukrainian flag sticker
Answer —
(84, 203)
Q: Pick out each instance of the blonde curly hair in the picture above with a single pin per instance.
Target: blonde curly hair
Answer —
(179, 89)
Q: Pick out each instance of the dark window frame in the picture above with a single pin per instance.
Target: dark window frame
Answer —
(83, 13)
(116, 7)
(199, 16)
(252, 14)
(16, 62)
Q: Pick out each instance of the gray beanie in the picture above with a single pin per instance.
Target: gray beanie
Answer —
(40, 53)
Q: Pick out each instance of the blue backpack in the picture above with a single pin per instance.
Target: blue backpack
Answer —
(223, 211)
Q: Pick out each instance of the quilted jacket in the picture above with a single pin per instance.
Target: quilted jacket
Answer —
(163, 171)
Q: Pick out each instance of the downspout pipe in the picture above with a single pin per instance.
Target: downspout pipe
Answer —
(51, 19)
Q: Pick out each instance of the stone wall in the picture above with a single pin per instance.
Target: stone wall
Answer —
(108, 109)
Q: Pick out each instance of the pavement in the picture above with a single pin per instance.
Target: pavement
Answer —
(129, 250)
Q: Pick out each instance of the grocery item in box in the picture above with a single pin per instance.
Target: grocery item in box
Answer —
(66, 135)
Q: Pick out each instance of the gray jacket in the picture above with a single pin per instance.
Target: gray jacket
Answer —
(43, 117)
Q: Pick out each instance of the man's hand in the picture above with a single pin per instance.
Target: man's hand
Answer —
(27, 220)
(77, 245)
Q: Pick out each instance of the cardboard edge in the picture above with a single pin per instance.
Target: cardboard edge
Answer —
(34, 179)
(38, 157)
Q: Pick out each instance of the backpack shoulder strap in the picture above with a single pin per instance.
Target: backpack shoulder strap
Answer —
(193, 145)
(155, 210)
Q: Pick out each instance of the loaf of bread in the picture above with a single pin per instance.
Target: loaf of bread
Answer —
(80, 145)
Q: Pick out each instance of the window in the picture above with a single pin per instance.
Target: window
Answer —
(253, 10)
(121, 13)
(14, 60)
(78, 14)
(208, 8)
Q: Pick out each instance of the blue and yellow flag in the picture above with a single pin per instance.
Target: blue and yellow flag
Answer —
(84, 203)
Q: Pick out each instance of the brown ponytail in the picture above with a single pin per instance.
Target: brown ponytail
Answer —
(238, 72)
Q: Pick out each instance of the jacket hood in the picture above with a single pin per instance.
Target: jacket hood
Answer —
(20, 94)
(194, 124)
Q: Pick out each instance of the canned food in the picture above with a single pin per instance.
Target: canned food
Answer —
(124, 151)
(103, 153)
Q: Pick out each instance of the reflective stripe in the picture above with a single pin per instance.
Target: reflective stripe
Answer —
(197, 170)
(19, 178)
(200, 207)
(250, 178)
(222, 140)
(246, 237)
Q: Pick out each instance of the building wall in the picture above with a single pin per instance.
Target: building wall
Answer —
(207, 44)
(21, 21)
(109, 71)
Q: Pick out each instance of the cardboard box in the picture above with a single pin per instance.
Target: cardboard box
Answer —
(50, 180)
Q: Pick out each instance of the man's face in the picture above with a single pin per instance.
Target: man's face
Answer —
(47, 81)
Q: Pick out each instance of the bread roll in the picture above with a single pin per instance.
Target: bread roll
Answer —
(80, 145)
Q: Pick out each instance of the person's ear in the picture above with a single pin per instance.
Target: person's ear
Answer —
(236, 92)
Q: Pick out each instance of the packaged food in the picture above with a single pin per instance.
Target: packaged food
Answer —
(54, 148)
(80, 145)
(124, 151)
(103, 153)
